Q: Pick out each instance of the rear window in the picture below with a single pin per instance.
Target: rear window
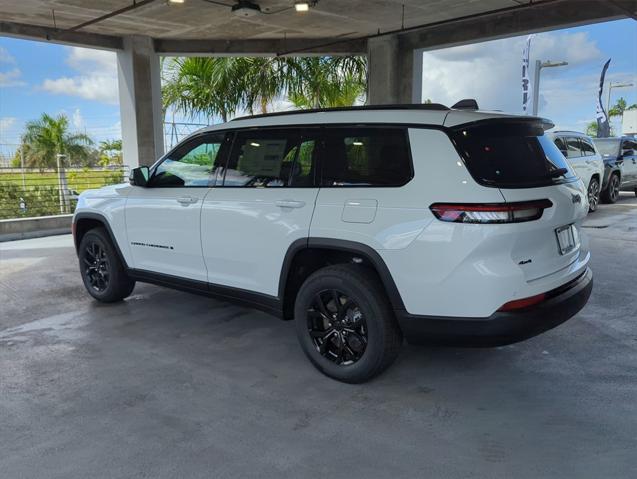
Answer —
(358, 156)
(511, 155)
(608, 147)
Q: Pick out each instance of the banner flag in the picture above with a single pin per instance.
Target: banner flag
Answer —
(603, 128)
(526, 82)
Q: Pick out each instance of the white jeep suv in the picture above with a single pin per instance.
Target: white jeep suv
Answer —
(583, 157)
(364, 225)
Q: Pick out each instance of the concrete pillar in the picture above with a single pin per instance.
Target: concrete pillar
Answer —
(140, 104)
(392, 72)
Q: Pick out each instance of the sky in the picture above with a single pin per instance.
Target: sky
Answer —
(37, 77)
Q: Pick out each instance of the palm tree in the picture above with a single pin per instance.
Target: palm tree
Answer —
(222, 86)
(620, 106)
(110, 152)
(48, 137)
(323, 82)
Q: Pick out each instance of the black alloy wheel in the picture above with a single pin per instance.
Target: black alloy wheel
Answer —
(96, 266)
(103, 272)
(345, 323)
(337, 327)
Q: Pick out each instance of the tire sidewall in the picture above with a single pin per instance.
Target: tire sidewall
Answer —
(372, 312)
(613, 193)
(594, 181)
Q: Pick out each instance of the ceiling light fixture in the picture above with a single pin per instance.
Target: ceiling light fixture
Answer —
(176, 1)
(301, 6)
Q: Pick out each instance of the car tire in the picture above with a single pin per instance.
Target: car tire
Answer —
(356, 340)
(611, 193)
(102, 270)
(593, 194)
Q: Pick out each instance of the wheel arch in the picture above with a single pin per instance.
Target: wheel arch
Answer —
(84, 222)
(306, 255)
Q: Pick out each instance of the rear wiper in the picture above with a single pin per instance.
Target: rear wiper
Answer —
(556, 173)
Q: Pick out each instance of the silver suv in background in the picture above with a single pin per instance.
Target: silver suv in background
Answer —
(584, 158)
(620, 166)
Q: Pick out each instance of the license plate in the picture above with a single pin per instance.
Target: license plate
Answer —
(567, 238)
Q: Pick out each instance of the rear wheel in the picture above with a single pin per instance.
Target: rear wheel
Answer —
(593, 194)
(103, 273)
(611, 193)
(345, 323)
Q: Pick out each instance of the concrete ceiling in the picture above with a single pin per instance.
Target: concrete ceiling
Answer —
(198, 19)
(201, 27)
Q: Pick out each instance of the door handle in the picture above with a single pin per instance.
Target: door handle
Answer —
(187, 200)
(290, 203)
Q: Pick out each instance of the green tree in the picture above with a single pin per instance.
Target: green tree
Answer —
(222, 86)
(620, 107)
(48, 137)
(110, 152)
(591, 129)
(324, 82)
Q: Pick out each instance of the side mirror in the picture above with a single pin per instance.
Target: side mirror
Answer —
(139, 176)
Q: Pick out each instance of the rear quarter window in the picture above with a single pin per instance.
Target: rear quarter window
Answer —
(511, 155)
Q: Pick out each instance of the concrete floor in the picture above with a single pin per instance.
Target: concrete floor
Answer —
(168, 385)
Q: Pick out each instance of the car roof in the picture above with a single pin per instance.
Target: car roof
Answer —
(425, 114)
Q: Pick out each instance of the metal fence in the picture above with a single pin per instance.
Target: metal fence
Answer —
(30, 192)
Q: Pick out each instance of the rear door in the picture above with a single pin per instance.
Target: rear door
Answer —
(163, 219)
(517, 158)
(629, 168)
(264, 204)
(363, 168)
(576, 159)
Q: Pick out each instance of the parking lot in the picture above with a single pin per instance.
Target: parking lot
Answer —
(168, 384)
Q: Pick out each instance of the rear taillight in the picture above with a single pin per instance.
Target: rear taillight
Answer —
(490, 213)
(523, 303)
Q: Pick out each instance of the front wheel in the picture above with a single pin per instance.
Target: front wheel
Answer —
(611, 193)
(103, 273)
(345, 323)
(593, 194)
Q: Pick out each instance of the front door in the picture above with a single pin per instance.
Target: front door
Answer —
(264, 204)
(163, 218)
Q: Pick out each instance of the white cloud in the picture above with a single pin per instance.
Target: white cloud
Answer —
(6, 122)
(96, 78)
(77, 120)
(491, 72)
(11, 78)
(5, 56)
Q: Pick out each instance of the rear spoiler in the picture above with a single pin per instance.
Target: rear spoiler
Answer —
(542, 124)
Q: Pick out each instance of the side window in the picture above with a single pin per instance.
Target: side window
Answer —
(270, 158)
(561, 145)
(366, 157)
(587, 147)
(572, 148)
(190, 164)
(628, 145)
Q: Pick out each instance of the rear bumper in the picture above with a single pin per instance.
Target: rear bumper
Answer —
(501, 327)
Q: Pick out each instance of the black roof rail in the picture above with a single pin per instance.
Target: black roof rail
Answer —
(406, 106)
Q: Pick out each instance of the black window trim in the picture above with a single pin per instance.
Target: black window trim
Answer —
(318, 168)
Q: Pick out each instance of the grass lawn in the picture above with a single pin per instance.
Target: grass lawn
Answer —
(78, 180)
(37, 193)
